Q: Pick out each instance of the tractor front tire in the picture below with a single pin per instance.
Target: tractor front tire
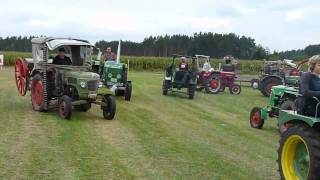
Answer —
(267, 84)
(127, 92)
(37, 93)
(118, 92)
(191, 91)
(109, 111)
(65, 107)
(235, 89)
(256, 120)
(299, 153)
(165, 87)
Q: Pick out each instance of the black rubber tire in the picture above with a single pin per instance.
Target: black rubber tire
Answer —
(83, 107)
(209, 90)
(312, 139)
(128, 92)
(266, 83)
(191, 91)
(165, 87)
(109, 111)
(37, 77)
(258, 123)
(65, 107)
(235, 89)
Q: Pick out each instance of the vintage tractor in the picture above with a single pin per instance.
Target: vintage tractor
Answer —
(114, 75)
(299, 146)
(176, 79)
(62, 86)
(281, 98)
(215, 80)
(283, 72)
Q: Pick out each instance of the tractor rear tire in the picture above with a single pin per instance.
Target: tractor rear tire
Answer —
(299, 153)
(213, 86)
(65, 107)
(127, 92)
(267, 85)
(165, 87)
(256, 120)
(109, 111)
(37, 93)
(235, 89)
(83, 107)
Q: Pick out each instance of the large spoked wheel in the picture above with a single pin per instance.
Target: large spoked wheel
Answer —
(299, 153)
(256, 120)
(37, 93)
(235, 89)
(127, 92)
(267, 85)
(213, 87)
(109, 110)
(21, 76)
(65, 107)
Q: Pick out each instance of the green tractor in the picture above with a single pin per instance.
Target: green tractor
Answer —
(65, 87)
(281, 98)
(176, 78)
(114, 75)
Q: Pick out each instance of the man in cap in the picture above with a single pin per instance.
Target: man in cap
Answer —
(61, 58)
(183, 65)
(109, 55)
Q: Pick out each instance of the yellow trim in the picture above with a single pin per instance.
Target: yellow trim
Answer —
(288, 156)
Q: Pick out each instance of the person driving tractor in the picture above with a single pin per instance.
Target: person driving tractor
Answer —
(109, 55)
(61, 58)
(310, 88)
(183, 65)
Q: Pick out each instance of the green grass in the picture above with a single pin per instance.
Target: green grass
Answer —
(151, 137)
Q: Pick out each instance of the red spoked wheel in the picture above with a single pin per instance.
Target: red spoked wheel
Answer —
(37, 93)
(21, 76)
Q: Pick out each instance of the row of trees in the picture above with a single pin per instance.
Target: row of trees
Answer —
(213, 44)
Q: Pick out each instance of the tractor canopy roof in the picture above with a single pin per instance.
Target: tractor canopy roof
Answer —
(54, 43)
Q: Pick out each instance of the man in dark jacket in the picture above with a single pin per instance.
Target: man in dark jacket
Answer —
(61, 58)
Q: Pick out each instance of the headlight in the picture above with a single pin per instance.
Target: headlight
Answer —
(83, 84)
(118, 76)
(110, 75)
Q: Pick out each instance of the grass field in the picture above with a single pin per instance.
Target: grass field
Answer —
(151, 137)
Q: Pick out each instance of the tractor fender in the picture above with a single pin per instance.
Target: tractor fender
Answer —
(271, 76)
(288, 116)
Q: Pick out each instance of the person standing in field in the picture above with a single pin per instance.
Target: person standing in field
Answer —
(109, 55)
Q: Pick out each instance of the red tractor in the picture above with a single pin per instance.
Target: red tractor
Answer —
(216, 80)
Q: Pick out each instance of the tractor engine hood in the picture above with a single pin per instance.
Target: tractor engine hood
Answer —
(113, 64)
(82, 75)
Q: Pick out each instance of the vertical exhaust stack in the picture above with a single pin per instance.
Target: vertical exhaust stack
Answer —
(118, 52)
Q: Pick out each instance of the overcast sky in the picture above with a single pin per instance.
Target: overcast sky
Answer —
(276, 24)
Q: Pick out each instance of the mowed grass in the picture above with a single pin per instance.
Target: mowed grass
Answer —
(151, 137)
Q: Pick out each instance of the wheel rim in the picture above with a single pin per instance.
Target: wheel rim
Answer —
(235, 90)
(255, 119)
(37, 94)
(21, 76)
(214, 85)
(295, 159)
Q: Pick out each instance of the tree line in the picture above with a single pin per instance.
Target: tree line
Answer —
(212, 44)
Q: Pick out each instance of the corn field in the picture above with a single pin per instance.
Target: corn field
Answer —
(149, 63)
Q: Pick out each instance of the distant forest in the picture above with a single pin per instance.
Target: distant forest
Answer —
(213, 44)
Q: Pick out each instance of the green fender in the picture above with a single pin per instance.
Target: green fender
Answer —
(264, 113)
(286, 116)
